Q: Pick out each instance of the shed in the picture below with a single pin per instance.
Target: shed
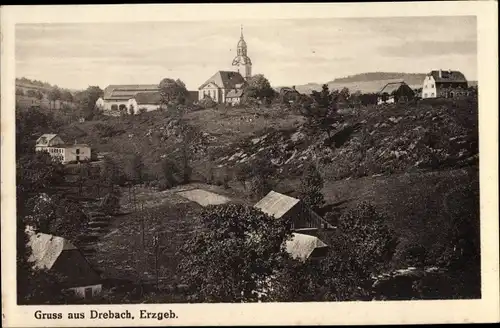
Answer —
(283, 206)
(59, 256)
(395, 92)
(304, 247)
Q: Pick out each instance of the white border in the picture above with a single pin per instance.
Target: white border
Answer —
(484, 310)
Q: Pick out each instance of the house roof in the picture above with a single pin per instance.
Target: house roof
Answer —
(301, 246)
(60, 256)
(225, 80)
(45, 139)
(448, 76)
(45, 249)
(125, 92)
(234, 93)
(148, 98)
(276, 204)
(392, 87)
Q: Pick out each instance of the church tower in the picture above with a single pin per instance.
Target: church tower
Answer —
(242, 60)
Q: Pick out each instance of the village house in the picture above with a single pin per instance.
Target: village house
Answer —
(62, 152)
(59, 256)
(444, 84)
(395, 92)
(303, 219)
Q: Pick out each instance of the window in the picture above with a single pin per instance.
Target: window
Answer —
(432, 94)
(78, 151)
(432, 85)
(425, 95)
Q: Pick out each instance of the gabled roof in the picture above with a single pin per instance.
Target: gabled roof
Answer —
(125, 92)
(392, 87)
(302, 246)
(225, 80)
(148, 98)
(61, 257)
(448, 76)
(45, 139)
(276, 204)
(45, 249)
(234, 93)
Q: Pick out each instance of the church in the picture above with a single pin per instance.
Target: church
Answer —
(226, 87)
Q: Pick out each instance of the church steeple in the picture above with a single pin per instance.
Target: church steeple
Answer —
(242, 60)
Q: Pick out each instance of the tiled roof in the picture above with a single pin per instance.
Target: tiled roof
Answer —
(148, 98)
(276, 204)
(45, 249)
(225, 80)
(125, 92)
(448, 76)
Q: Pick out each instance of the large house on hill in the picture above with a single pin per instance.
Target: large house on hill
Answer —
(222, 87)
(62, 152)
(444, 84)
(395, 92)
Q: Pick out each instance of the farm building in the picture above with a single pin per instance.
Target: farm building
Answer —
(395, 92)
(288, 95)
(59, 256)
(302, 218)
(64, 153)
(304, 247)
(444, 84)
(116, 97)
(144, 102)
(220, 85)
(233, 97)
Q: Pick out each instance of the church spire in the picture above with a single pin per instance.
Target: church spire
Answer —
(242, 60)
(241, 30)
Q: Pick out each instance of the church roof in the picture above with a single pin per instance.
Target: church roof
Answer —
(126, 91)
(225, 80)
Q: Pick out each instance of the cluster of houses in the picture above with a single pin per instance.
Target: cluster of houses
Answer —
(224, 87)
(437, 84)
(75, 274)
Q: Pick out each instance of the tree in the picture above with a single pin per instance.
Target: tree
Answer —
(371, 241)
(235, 254)
(310, 188)
(111, 174)
(131, 109)
(261, 177)
(67, 96)
(87, 100)
(20, 92)
(322, 112)
(135, 168)
(54, 95)
(345, 94)
(169, 171)
(258, 87)
(173, 91)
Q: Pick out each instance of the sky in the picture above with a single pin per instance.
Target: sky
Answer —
(288, 52)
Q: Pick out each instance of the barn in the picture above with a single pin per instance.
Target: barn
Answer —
(302, 218)
(304, 247)
(395, 92)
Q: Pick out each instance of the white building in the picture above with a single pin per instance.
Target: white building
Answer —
(220, 85)
(62, 152)
(444, 84)
(116, 97)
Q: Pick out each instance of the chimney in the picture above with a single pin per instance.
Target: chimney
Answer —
(440, 73)
(75, 142)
